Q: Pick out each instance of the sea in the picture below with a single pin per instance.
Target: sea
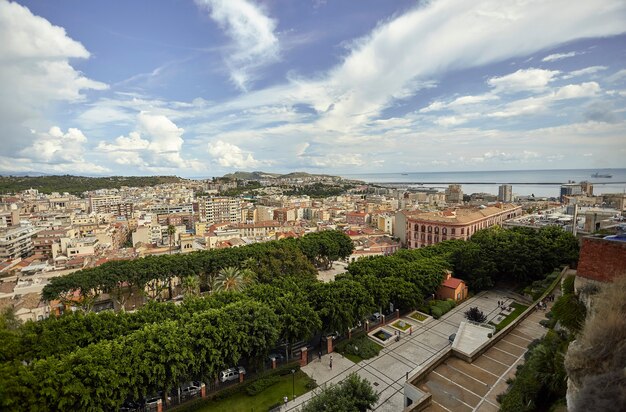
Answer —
(540, 183)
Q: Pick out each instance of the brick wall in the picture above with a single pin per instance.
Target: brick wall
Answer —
(602, 260)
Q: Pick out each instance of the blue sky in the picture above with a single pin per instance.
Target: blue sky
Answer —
(205, 87)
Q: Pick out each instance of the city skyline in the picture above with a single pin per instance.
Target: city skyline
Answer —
(208, 87)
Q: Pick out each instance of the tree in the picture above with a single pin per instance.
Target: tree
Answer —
(354, 394)
(475, 315)
(232, 278)
(171, 231)
(191, 285)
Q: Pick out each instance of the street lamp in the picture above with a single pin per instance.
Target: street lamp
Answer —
(293, 385)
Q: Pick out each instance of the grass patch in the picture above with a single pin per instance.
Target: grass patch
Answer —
(357, 349)
(241, 401)
(519, 308)
(401, 325)
(419, 316)
(353, 358)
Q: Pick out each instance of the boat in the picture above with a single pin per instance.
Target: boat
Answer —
(404, 174)
(596, 174)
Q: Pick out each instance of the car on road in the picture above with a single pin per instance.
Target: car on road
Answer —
(452, 337)
(231, 374)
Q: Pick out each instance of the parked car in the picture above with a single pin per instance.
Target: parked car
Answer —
(278, 356)
(231, 374)
(452, 337)
(375, 317)
(190, 389)
(130, 406)
(150, 403)
(333, 335)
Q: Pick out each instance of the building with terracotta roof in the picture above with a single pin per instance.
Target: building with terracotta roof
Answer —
(452, 288)
(429, 228)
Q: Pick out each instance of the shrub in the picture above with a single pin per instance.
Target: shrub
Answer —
(475, 315)
(568, 285)
(362, 347)
(260, 385)
(436, 312)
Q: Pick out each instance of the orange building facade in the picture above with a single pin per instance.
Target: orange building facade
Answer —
(452, 288)
(429, 228)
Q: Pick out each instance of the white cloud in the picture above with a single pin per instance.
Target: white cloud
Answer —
(459, 102)
(156, 143)
(559, 56)
(35, 72)
(252, 33)
(617, 76)
(575, 91)
(585, 71)
(538, 104)
(523, 80)
(56, 146)
(53, 151)
(229, 155)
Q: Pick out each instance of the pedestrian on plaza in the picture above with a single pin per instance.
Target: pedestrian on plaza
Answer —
(319, 356)
(331, 362)
(285, 399)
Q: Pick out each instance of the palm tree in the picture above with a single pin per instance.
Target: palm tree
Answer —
(171, 231)
(235, 279)
(191, 285)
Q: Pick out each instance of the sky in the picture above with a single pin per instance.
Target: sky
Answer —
(206, 87)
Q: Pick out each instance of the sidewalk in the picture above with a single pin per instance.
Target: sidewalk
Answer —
(387, 372)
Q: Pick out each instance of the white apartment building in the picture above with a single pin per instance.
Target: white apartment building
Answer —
(16, 241)
(220, 210)
(99, 202)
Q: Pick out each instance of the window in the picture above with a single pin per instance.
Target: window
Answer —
(430, 229)
(453, 231)
(462, 230)
(436, 229)
(423, 228)
(444, 231)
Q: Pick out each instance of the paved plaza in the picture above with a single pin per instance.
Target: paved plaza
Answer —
(388, 371)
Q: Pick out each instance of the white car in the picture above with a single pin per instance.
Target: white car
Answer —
(231, 374)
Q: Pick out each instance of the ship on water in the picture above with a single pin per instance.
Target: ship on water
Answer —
(596, 174)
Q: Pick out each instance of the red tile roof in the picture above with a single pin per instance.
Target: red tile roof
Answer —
(452, 283)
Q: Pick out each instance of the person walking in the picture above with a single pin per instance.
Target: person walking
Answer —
(319, 356)
(331, 362)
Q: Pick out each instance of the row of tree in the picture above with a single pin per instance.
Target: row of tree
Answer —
(157, 357)
(153, 275)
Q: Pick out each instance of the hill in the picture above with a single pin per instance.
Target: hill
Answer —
(264, 175)
(78, 184)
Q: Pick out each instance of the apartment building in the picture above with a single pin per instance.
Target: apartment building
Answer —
(505, 193)
(16, 241)
(454, 194)
(220, 210)
(429, 228)
(385, 223)
(357, 218)
(285, 214)
(102, 202)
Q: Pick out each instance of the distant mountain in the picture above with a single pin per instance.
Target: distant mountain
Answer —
(264, 175)
(25, 174)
